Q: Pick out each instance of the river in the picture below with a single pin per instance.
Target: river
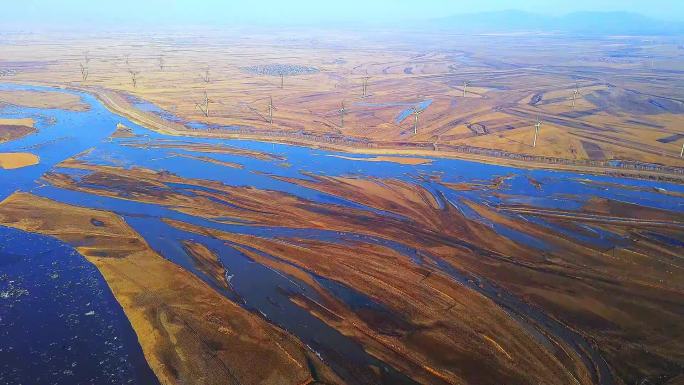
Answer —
(81, 296)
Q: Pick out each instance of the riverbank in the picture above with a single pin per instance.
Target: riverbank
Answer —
(371, 265)
(118, 104)
(13, 129)
(42, 99)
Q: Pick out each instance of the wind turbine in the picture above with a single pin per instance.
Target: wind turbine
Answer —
(205, 108)
(134, 77)
(270, 109)
(537, 127)
(416, 112)
(465, 88)
(575, 93)
(365, 85)
(681, 154)
(84, 71)
(342, 111)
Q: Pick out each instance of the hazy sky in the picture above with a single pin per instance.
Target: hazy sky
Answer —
(294, 11)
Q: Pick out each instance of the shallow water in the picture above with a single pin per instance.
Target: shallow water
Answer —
(422, 106)
(254, 286)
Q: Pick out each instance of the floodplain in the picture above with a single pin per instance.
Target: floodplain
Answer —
(344, 210)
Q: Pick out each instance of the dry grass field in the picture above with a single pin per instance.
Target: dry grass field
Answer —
(628, 103)
(243, 262)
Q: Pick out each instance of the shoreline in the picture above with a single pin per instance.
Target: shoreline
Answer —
(114, 101)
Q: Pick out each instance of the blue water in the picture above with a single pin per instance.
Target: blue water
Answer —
(71, 133)
(63, 134)
(422, 106)
(59, 322)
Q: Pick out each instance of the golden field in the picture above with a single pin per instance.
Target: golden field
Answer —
(244, 263)
(628, 105)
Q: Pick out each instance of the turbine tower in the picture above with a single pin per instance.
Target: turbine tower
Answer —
(537, 127)
(84, 67)
(365, 85)
(205, 106)
(342, 111)
(416, 112)
(465, 88)
(575, 94)
(270, 109)
(134, 77)
(84, 71)
(681, 154)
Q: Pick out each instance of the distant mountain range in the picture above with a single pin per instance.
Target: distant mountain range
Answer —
(595, 23)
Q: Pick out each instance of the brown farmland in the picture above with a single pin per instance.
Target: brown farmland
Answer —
(627, 109)
(328, 208)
